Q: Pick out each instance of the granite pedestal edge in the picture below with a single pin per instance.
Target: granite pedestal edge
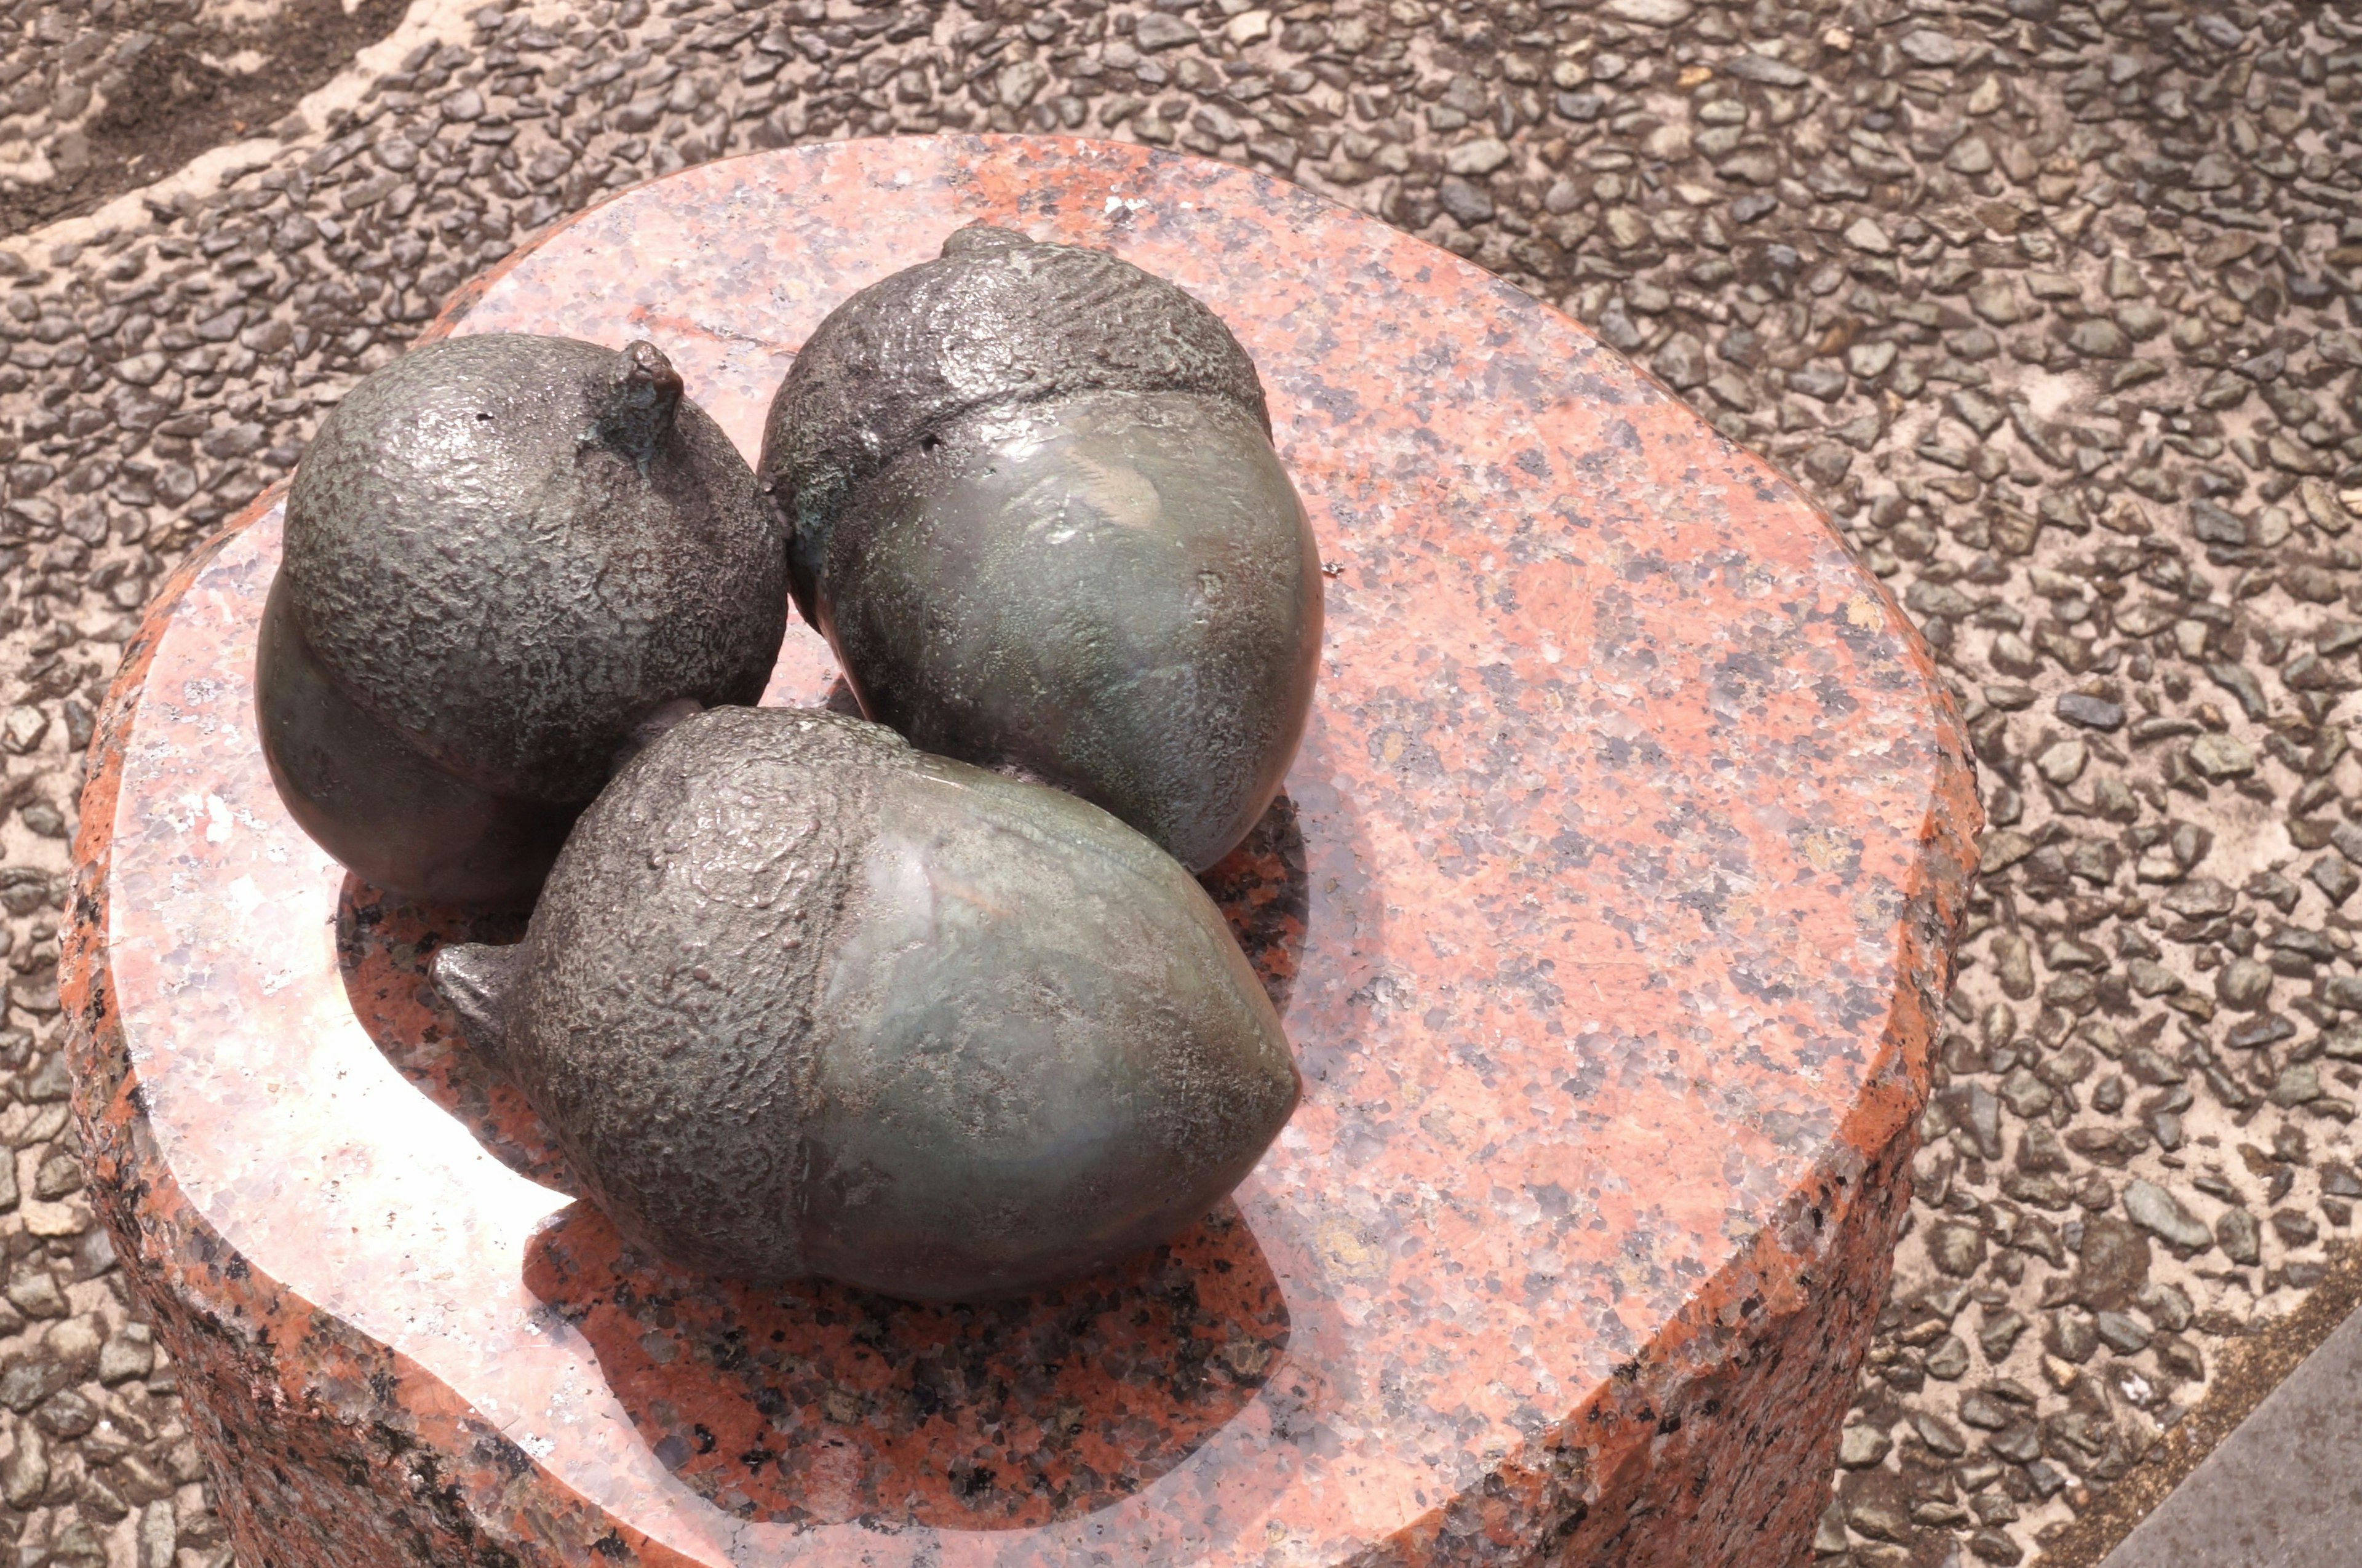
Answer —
(298, 1416)
(330, 1447)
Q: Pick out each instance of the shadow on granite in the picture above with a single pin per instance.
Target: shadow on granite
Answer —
(816, 1404)
(385, 945)
(1266, 897)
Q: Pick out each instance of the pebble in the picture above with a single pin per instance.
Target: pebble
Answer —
(1859, 1447)
(2160, 1213)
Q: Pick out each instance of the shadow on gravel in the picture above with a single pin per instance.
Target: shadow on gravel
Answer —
(173, 101)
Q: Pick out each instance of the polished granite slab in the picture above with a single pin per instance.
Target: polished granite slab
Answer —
(1609, 908)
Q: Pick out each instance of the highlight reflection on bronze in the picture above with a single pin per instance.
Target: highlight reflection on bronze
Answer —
(1263, 886)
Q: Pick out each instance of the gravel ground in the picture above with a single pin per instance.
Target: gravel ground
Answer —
(2048, 303)
(98, 101)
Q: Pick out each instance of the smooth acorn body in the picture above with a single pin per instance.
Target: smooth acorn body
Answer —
(503, 553)
(799, 1000)
(375, 802)
(1033, 502)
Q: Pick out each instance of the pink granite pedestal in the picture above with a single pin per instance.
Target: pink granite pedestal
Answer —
(1609, 908)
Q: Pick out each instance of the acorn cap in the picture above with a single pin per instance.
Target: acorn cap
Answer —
(508, 550)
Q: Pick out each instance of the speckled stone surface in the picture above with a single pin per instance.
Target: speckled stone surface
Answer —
(1609, 905)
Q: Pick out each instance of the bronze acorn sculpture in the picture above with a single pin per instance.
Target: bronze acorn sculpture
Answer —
(503, 553)
(1030, 499)
(800, 1000)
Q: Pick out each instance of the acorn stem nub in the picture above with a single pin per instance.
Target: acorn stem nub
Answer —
(979, 238)
(637, 408)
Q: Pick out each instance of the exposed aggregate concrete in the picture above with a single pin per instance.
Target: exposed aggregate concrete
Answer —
(2051, 303)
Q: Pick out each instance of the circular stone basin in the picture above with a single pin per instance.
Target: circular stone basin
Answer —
(1609, 907)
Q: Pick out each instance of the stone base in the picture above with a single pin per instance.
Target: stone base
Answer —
(1608, 909)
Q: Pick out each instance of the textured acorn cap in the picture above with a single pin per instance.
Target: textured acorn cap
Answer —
(799, 1000)
(996, 319)
(508, 550)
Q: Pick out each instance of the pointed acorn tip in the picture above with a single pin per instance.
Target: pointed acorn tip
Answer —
(474, 979)
(654, 727)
